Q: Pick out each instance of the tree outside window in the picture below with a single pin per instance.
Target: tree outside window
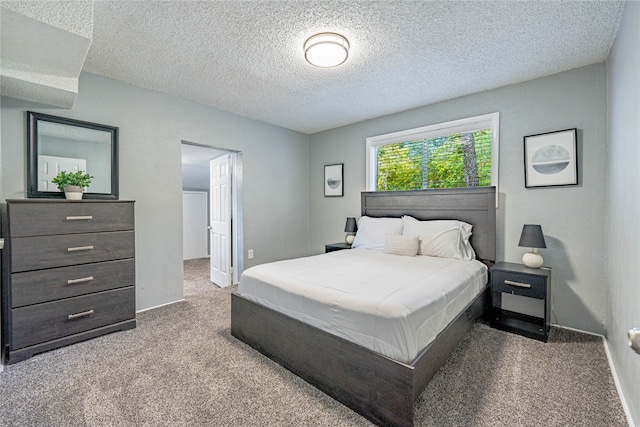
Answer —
(449, 161)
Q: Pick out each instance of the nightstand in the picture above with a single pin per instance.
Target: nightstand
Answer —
(518, 279)
(336, 247)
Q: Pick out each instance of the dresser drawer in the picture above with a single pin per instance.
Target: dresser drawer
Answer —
(518, 284)
(39, 286)
(34, 253)
(47, 218)
(43, 322)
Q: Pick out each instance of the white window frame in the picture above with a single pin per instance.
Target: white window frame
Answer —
(491, 120)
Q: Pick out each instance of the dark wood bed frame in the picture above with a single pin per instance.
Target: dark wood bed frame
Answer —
(380, 389)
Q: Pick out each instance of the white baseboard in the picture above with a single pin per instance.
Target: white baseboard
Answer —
(605, 344)
(158, 306)
(577, 330)
(627, 412)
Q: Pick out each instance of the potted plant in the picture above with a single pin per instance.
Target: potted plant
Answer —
(72, 183)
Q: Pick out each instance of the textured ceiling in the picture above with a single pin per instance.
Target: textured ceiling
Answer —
(246, 56)
(43, 48)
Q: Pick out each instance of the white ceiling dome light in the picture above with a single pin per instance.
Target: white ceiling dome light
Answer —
(326, 50)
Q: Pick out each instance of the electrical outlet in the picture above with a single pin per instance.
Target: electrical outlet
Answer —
(250, 253)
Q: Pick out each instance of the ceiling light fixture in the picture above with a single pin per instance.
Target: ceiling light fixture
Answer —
(326, 50)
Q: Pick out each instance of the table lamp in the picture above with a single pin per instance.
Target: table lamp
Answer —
(532, 237)
(350, 227)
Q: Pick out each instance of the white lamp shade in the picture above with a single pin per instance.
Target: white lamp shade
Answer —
(326, 50)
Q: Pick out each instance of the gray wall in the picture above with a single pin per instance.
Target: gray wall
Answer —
(152, 126)
(623, 207)
(572, 218)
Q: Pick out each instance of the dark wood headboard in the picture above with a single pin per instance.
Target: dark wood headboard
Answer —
(476, 205)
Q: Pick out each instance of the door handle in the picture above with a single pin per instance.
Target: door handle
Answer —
(634, 339)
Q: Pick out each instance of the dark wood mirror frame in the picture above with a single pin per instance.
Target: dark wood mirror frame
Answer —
(33, 148)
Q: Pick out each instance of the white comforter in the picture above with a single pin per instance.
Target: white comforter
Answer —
(393, 305)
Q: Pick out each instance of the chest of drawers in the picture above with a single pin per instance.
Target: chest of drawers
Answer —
(68, 273)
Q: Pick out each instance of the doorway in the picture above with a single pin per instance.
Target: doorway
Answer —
(195, 205)
(203, 209)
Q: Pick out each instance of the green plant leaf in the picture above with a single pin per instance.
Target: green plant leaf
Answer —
(65, 179)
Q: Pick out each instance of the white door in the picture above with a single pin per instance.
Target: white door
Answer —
(50, 166)
(194, 224)
(220, 220)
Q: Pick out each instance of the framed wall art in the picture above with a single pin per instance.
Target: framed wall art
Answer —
(551, 159)
(333, 180)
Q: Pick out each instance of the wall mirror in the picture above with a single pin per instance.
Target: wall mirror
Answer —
(59, 144)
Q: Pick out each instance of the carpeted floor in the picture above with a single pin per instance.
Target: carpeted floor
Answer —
(181, 367)
(197, 277)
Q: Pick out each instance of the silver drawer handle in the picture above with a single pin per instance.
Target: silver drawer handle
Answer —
(80, 280)
(79, 217)
(518, 284)
(78, 315)
(80, 248)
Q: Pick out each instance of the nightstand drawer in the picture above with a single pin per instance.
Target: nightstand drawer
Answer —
(516, 279)
(519, 284)
(336, 247)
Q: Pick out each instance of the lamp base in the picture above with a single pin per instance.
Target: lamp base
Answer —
(532, 259)
(349, 238)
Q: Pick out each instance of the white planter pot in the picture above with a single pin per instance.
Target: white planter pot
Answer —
(73, 192)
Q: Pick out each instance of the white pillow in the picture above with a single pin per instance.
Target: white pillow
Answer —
(398, 244)
(441, 238)
(371, 231)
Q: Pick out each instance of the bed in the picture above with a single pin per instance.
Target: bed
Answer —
(382, 388)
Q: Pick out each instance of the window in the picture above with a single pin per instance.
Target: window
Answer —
(461, 153)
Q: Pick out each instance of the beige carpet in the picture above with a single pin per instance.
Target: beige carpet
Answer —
(181, 367)
(197, 277)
